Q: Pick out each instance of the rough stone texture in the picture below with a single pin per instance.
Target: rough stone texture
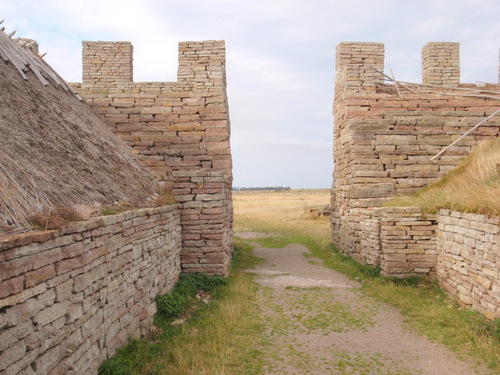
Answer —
(401, 240)
(180, 130)
(383, 142)
(72, 297)
(408, 242)
(441, 64)
(469, 259)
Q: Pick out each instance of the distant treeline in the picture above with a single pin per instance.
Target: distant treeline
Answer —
(274, 188)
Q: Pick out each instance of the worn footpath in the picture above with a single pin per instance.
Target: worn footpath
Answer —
(318, 322)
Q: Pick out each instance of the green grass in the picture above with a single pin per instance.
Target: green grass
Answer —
(427, 308)
(272, 242)
(219, 337)
(360, 364)
(327, 314)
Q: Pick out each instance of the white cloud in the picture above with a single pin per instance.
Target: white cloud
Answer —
(281, 56)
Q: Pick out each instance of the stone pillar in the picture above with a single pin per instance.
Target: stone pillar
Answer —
(202, 63)
(441, 63)
(205, 191)
(107, 62)
(355, 63)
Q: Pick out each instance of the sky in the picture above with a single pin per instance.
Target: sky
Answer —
(280, 59)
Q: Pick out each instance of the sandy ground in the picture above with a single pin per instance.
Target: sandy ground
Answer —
(318, 322)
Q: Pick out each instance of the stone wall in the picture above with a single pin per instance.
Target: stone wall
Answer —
(383, 141)
(401, 240)
(408, 242)
(70, 298)
(469, 259)
(180, 130)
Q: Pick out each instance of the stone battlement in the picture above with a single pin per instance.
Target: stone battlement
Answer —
(180, 130)
(355, 62)
(384, 139)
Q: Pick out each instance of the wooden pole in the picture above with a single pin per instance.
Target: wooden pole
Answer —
(466, 133)
(395, 82)
(390, 79)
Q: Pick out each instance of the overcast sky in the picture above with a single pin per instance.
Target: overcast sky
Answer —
(280, 59)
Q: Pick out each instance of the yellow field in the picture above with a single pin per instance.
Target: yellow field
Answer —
(282, 211)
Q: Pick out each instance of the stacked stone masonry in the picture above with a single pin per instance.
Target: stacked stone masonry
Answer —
(180, 130)
(401, 240)
(383, 142)
(441, 64)
(469, 259)
(70, 298)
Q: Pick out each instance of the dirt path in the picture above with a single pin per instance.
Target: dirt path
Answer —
(318, 322)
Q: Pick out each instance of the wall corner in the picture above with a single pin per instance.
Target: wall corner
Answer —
(355, 63)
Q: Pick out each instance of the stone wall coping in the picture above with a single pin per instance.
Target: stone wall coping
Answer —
(40, 236)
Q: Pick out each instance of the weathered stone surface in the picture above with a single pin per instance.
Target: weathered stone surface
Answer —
(383, 145)
(180, 130)
(468, 269)
(62, 316)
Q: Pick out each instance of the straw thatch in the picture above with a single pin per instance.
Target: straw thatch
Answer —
(54, 150)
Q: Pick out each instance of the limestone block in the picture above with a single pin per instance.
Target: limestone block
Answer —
(372, 191)
(11, 286)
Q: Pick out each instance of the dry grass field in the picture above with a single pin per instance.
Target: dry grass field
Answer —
(282, 211)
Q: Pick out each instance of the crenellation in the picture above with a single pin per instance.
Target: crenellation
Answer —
(180, 130)
(107, 62)
(383, 145)
(441, 64)
(355, 63)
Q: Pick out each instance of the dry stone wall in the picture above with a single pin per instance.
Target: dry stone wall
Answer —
(70, 298)
(180, 130)
(469, 259)
(383, 141)
(401, 240)
(408, 242)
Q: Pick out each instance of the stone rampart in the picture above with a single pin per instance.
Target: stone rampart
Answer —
(70, 298)
(469, 259)
(180, 130)
(384, 140)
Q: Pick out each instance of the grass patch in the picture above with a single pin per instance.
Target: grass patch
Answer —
(218, 338)
(272, 242)
(173, 305)
(116, 209)
(327, 315)
(358, 363)
(54, 218)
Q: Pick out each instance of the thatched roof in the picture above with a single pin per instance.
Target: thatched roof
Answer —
(54, 150)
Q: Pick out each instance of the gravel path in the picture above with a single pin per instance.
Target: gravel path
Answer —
(318, 322)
